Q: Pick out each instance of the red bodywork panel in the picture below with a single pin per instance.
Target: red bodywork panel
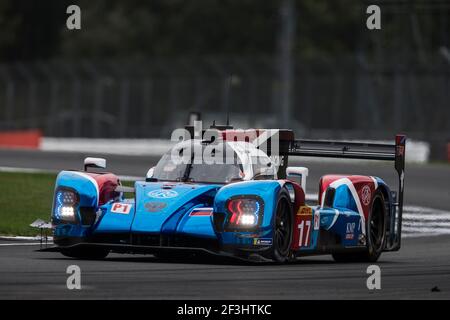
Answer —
(107, 183)
(305, 215)
(299, 194)
(364, 186)
(303, 225)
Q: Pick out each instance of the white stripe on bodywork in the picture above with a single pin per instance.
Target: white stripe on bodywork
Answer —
(375, 182)
(351, 187)
(336, 215)
(88, 177)
(322, 201)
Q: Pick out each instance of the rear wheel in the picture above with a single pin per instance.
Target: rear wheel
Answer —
(282, 229)
(375, 233)
(86, 253)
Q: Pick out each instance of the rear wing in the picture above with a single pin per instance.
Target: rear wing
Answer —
(359, 150)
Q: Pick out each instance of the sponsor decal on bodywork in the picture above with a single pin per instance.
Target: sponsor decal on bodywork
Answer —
(304, 224)
(262, 241)
(304, 211)
(120, 207)
(162, 194)
(316, 219)
(366, 195)
(201, 212)
(154, 206)
(350, 231)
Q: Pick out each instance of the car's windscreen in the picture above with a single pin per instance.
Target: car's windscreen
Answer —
(219, 173)
(169, 170)
(224, 171)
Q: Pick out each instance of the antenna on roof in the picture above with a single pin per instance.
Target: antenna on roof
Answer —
(228, 85)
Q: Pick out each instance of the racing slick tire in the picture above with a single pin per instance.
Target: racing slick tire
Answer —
(375, 233)
(85, 253)
(282, 229)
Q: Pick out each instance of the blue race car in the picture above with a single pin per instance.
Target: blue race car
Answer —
(247, 203)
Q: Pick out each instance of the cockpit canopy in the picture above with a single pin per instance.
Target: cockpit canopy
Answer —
(221, 162)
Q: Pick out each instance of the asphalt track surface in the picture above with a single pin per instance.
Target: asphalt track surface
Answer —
(423, 263)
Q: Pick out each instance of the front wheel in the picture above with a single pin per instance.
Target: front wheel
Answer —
(375, 234)
(282, 229)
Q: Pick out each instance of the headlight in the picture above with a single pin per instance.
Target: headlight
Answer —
(244, 212)
(65, 205)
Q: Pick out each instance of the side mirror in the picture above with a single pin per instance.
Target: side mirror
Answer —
(94, 163)
(298, 174)
(149, 176)
(329, 197)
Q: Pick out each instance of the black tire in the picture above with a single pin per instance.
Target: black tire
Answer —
(86, 253)
(282, 229)
(375, 233)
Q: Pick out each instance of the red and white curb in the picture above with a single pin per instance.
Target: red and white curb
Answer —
(422, 222)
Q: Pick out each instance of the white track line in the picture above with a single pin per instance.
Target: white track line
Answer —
(26, 170)
(131, 178)
(426, 230)
(425, 218)
(23, 244)
(15, 238)
(430, 224)
(33, 170)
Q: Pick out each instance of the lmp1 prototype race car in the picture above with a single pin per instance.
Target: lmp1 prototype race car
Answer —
(249, 205)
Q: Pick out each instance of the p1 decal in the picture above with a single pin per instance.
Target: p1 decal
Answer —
(119, 207)
(303, 227)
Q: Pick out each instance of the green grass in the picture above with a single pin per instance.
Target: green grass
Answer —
(25, 197)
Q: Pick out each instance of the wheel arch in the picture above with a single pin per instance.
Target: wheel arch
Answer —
(386, 192)
(389, 207)
(296, 193)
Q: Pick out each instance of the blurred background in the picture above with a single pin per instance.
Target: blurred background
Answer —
(136, 69)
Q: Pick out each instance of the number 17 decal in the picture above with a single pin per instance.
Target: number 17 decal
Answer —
(304, 238)
(303, 225)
